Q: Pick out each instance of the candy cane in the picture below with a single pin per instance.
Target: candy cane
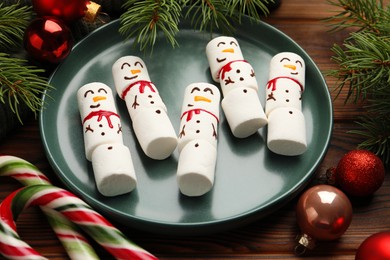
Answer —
(77, 211)
(75, 244)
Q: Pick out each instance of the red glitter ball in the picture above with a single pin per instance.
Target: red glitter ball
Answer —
(360, 173)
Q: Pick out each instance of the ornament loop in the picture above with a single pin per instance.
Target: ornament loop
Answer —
(304, 242)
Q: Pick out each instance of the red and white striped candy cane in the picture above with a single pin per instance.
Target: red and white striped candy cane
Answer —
(73, 208)
(75, 244)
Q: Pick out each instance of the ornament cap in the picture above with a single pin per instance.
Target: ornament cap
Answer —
(304, 242)
(93, 9)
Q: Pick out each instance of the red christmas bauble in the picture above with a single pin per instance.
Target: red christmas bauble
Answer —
(66, 10)
(324, 212)
(376, 247)
(48, 39)
(360, 173)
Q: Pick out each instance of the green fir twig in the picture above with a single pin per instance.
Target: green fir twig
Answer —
(209, 16)
(362, 14)
(21, 84)
(376, 132)
(364, 68)
(143, 20)
(13, 21)
(364, 64)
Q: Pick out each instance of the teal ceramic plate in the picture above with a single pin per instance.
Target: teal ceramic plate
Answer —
(250, 180)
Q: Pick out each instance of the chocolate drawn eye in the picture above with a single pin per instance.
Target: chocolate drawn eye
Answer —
(233, 43)
(87, 92)
(123, 65)
(195, 89)
(138, 63)
(299, 62)
(209, 90)
(102, 90)
(220, 43)
(287, 59)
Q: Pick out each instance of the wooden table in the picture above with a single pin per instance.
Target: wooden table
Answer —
(272, 237)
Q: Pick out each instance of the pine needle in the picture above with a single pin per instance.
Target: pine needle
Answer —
(13, 21)
(364, 64)
(144, 20)
(364, 68)
(21, 83)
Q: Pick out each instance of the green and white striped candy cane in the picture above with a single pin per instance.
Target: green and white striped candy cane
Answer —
(75, 244)
(73, 208)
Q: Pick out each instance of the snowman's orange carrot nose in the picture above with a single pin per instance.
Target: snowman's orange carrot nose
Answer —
(289, 66)
(135, 71)
(229, 50)
(98, 98)
(201, 98)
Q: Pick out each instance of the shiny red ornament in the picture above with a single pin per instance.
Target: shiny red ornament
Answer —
(360, 173)
(323, 213)
(66, 10)
(48, 39)
(376, 247)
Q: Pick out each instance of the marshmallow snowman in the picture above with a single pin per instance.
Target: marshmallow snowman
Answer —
(286, 123)
(197, 142)
(111, 159)
(151, 124)
(241, 104)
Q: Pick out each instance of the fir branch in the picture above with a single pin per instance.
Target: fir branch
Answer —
(363, 14)
(364, 68)
(13, 22)
(144, 19)
(248, 7)
(376, 131)
(21, 84)
(364, 64)
(205, 15)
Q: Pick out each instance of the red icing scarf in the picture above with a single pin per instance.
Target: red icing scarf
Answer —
(143, 84)
(197, 111)
(100, 114)
(272, 82)
(227, 67)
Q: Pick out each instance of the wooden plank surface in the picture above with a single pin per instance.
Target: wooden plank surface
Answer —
(272, 237)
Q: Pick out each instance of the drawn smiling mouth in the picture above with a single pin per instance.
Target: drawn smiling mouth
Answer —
(221, 60)
(130, 78)
(294, 73)
(94, 106)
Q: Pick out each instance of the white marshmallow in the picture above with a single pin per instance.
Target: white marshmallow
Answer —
(243, 112)
(241, 104)
(101, 122)
(196, 168)
(286, 81)
(200, 114)
(198, 139)
(286, 123)
(153, 129)
(219, 52)
(237, 74)
(113, 169)
(155, 133)
(286, 131)
(111, 160)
